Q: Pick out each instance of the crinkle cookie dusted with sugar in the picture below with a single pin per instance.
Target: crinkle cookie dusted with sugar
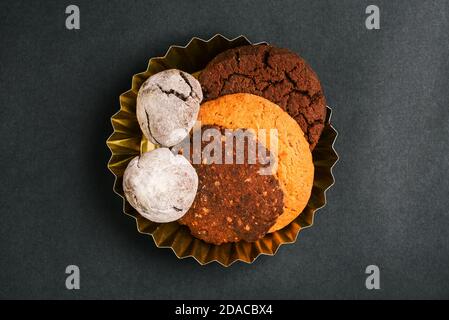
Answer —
(167, 106)
(160, 185)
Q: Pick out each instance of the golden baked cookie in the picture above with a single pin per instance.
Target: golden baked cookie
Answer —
(294, 170)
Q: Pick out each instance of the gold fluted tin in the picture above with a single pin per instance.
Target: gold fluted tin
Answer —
(127, 141)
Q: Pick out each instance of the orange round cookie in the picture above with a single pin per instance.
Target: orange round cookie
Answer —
(294, 166)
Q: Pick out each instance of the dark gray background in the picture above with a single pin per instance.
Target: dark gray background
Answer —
(390, 93)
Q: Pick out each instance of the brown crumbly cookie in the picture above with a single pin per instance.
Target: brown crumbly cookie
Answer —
(234, 202)
(294, 170)
(276, 74)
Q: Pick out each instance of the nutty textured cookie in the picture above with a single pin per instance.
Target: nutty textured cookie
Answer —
(276, 74)
(294, 170)
(234, 202)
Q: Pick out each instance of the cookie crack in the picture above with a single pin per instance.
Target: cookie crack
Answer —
(237, 58)
(309, 126)
(174, 93)
(266, 58)
(290, 80)
(301, 113)
(227, 79)
(192, 92)
(149, 128)
(293, 69)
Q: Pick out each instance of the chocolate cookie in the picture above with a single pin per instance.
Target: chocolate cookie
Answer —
(234, 201)
(276, 74)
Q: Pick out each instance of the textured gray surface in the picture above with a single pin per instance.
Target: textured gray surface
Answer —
(389, 206)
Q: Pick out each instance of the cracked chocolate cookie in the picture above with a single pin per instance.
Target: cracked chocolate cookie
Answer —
(234, 201)
(167, 106)
(276, 74)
